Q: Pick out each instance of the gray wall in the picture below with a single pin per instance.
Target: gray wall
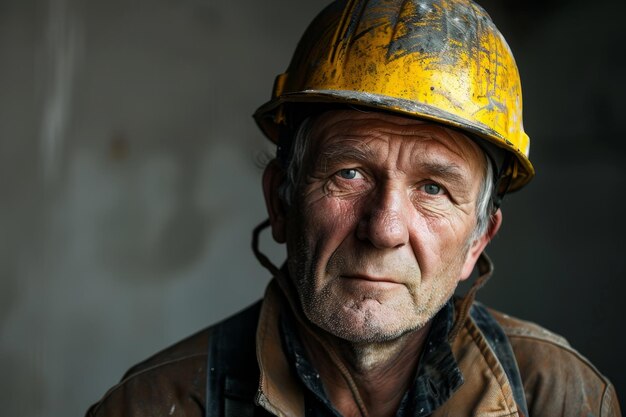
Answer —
(130, 181)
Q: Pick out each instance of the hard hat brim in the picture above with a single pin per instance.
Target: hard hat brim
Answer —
(522, 172)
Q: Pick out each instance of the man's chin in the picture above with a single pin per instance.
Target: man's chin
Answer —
(366, 326)
(373, 335)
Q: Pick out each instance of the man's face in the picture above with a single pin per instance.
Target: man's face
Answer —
(379, 233)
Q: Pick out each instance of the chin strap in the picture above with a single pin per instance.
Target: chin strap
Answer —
(485, 270)
(311, 329)
(260, 256)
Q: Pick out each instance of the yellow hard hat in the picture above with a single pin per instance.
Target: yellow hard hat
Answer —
(439, 60)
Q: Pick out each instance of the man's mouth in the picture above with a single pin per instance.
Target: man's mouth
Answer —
(372, 278)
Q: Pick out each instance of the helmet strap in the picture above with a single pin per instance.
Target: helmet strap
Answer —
(503, 182)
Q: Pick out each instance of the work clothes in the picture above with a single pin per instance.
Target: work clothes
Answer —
(242, 367)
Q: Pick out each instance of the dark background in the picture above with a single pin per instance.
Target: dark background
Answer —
(130, 180)
(560, 256)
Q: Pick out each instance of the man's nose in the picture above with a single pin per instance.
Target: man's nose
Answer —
(384, 221)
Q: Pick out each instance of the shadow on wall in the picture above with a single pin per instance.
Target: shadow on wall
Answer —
(157, 227)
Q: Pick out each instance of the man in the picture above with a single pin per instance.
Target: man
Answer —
(399, 129)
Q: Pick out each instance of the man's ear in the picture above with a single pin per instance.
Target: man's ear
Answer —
(480, 243)
(273, 177)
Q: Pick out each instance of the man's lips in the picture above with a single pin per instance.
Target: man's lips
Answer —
(370, 278)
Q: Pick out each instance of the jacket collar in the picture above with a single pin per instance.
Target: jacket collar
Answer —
(279, 393)
(437, 376)
(486, 390)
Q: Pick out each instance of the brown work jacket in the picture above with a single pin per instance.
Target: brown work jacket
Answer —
(557, 380)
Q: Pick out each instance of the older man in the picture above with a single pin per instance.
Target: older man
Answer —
(399, 130)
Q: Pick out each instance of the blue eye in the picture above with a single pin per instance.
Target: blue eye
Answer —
(348, 174)
(432, 189)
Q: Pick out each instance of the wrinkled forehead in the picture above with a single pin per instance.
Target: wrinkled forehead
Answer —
(353, 123)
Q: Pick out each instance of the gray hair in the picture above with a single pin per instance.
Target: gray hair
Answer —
(293, 161)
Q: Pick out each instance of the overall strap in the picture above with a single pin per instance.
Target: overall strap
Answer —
(232, 369)
(499, 343)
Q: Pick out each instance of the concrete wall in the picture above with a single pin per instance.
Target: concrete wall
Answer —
(130, 181)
